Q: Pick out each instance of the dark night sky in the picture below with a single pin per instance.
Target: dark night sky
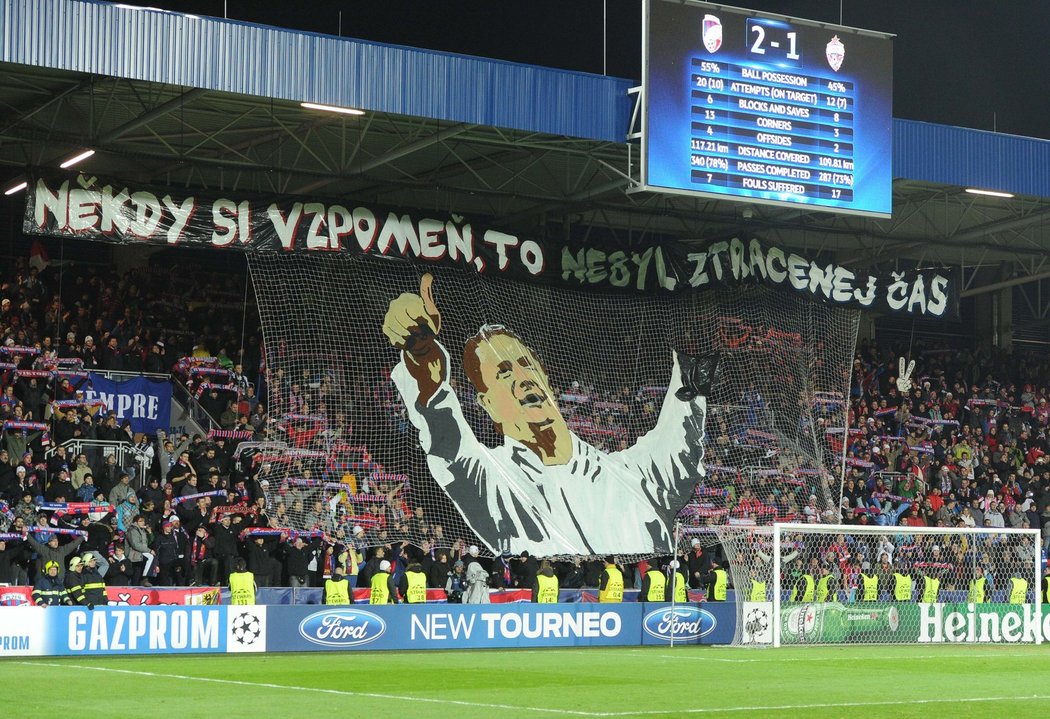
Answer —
(955, 62)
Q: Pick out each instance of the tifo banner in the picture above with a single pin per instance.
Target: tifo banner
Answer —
(57, 631)
(67, 205)
(130, 596)
(144, 401)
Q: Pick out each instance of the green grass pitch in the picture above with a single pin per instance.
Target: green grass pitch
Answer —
(689, 681)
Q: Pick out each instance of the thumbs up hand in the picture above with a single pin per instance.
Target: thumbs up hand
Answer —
(413, 320)
(412, 324)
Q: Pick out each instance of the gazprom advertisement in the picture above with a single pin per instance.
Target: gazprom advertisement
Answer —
(64, 631)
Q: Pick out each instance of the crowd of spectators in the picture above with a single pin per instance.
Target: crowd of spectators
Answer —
(966, 446)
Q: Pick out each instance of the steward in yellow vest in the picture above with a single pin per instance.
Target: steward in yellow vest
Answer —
(336, 588)
(901, 587)
(678, 587)
(654, 585)
(413, 584)
(977, 585)
(610, 586)
(804, 589)
(717, 585)
(1018, 590)
(757, 591)
(827, 586)
(545, 586)
(869, 587)
(931, 587)
(383, 591)
(242, 584)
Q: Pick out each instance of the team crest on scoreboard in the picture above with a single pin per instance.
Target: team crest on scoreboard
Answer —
(836, 53)
(712, 33)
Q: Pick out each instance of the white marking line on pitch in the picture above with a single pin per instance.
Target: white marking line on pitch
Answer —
(899, 657)
(824, 705)
(319, 690)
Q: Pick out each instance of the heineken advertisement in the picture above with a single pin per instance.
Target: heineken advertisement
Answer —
(906, 623)
(834, 623)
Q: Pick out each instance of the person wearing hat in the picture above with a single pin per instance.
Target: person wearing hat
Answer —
(699, 562)
(93, 587)
(384, 590)
(456, 583)
(610, 586)
(476, 580)
(74, 580)
(50, 589)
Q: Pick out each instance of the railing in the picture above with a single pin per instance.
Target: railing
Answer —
(130, 458)
(183, 395)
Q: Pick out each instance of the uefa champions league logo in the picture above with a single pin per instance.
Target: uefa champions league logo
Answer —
(245, 629)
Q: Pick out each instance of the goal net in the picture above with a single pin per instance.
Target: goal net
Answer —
(517, 416)
(840, 584)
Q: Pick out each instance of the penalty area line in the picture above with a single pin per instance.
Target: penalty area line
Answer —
(823, 705)
(319, 690)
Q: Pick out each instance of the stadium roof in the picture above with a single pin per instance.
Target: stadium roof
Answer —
(193, 101)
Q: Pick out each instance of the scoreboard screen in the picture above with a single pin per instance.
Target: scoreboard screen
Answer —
(766, 109)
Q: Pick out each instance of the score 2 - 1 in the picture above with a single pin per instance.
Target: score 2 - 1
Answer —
(773, 42)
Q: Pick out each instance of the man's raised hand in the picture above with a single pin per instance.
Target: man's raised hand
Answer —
(412, 324)
(412, 318)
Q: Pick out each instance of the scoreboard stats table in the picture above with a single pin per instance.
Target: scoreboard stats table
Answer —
(766, 109)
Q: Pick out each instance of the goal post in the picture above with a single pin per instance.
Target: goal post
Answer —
(847, 584)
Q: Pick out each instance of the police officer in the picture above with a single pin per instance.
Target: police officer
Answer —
(336, 588)
(654, 584)
(49, 590)
(242, 583)
(413, 584)
(610, 586)
(545, 585)
(383, 589)
(94, 586)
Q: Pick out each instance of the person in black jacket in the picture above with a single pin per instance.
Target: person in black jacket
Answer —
(203, 564)
(225, 545)
(166, 548)
(297, 557)
(121, 572)
(261, 563)
(437, 572)
(525, 570)
(14, 558)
